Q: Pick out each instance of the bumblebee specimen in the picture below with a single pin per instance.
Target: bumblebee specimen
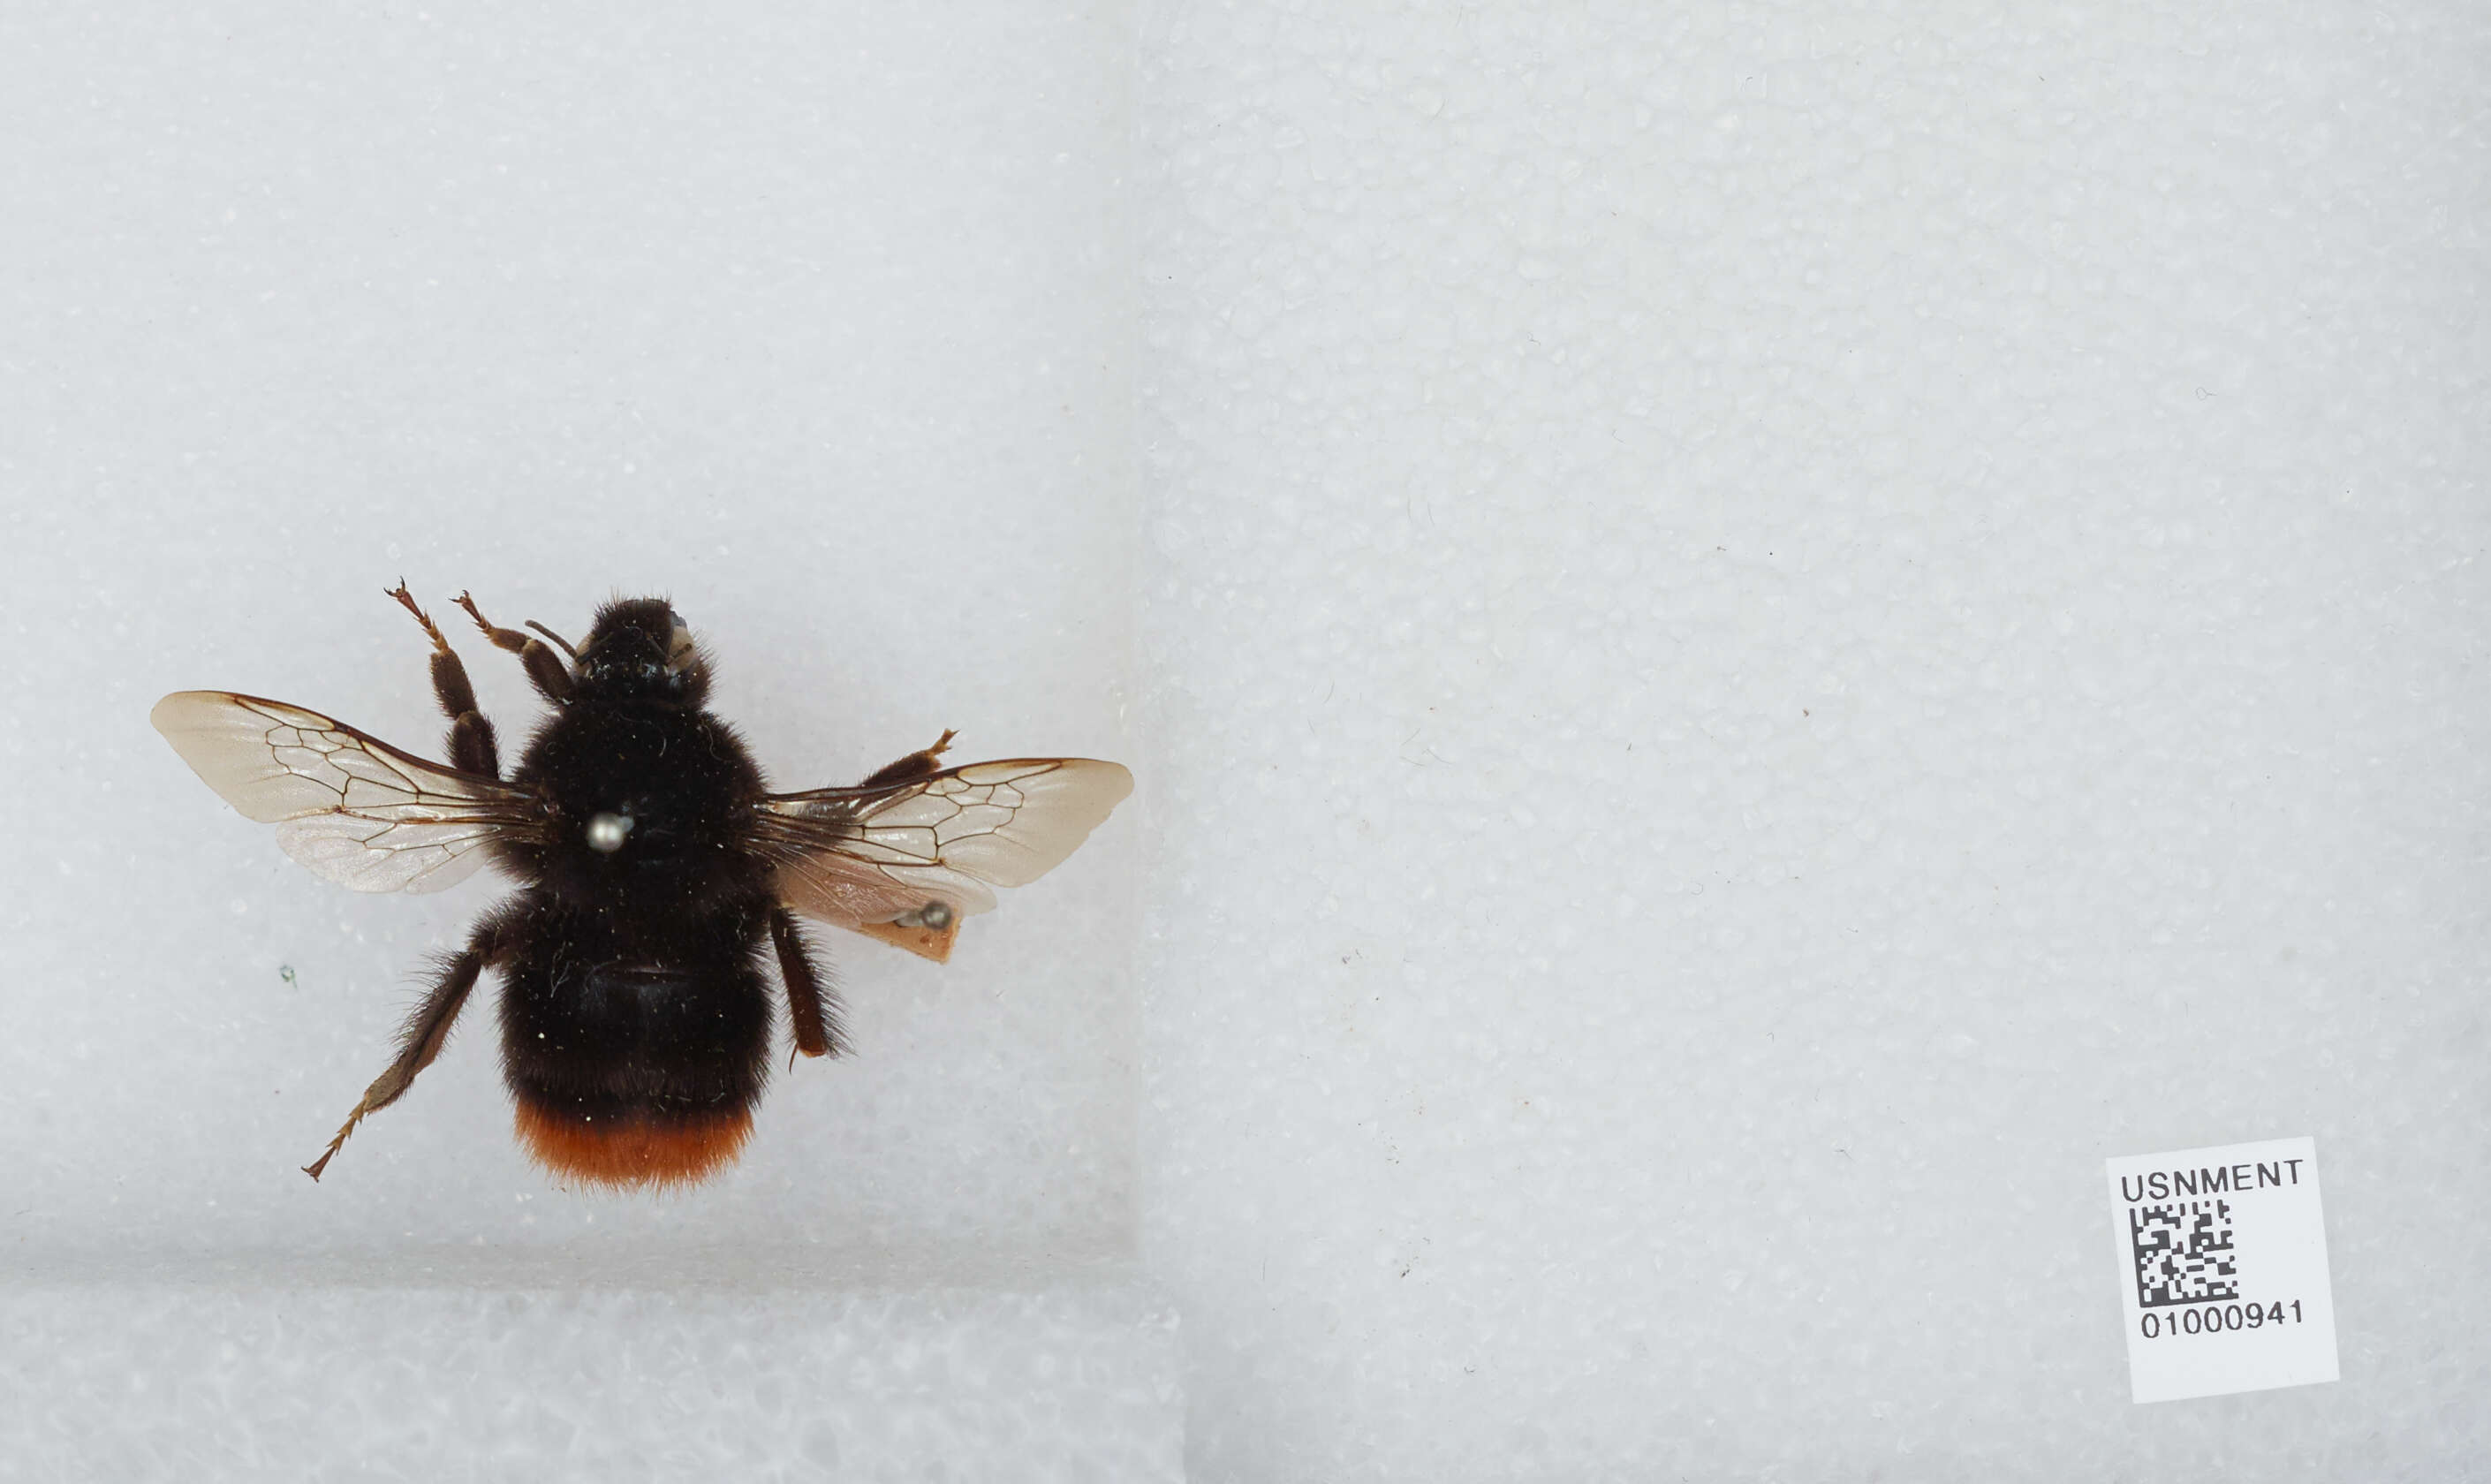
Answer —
(657, 873)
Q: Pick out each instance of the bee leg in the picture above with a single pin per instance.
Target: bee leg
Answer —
(426, 1030)
(471, 737)
(545, 669)
(811, 1009)
(917, 765)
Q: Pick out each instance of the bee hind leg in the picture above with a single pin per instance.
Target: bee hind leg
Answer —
(425, 1034)
(812, 1009)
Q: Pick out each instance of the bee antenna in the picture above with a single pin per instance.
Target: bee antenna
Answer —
(559, 641)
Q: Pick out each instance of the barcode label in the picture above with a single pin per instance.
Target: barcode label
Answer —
(2183, 1253)
(2224, 1256)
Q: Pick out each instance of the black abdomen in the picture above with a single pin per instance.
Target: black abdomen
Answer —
(633, 1066)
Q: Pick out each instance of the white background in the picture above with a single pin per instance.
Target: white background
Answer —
(1753, 636)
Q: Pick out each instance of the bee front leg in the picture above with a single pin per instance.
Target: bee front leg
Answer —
(425, 1034)
(545, 669)
(471, 737)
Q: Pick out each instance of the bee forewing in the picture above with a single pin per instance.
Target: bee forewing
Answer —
(241, 747)
(1008, 823)
(944, 838)
(351, 807)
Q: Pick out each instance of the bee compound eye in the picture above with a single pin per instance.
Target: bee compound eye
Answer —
(608, 831)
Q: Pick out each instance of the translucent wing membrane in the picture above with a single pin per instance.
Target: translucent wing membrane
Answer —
(353, 809)
(866, 857)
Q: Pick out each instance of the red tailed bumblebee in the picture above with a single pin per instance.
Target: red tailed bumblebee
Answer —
(656, 873)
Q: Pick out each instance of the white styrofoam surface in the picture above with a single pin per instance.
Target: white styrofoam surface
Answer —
(1073, 1381)
(1772, 629)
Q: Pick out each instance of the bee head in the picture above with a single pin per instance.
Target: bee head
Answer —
(641, 650)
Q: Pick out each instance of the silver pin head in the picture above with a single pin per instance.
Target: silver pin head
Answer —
(608, 831)
(935, 915)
